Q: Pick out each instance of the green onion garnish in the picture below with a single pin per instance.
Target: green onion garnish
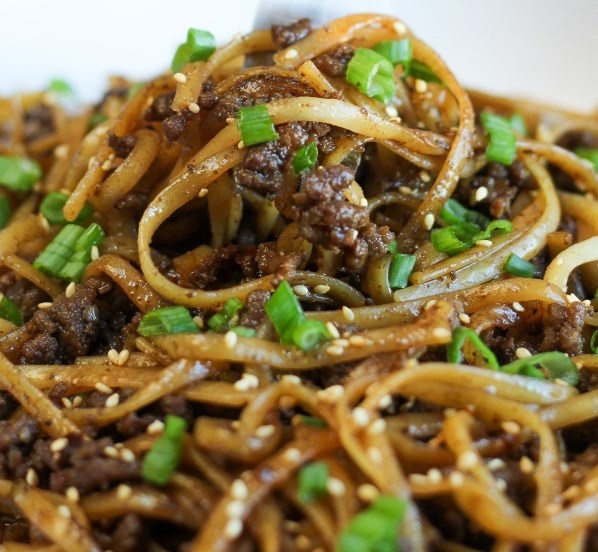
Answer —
(53, 204)
(502, 146)
(18, 174)
(285, 313)
(220, 322)
(243, 331)
(57, 253)
(167, 320)
(313, 478)
(419, 70)
(96, 119)
(591, 154)
(134, 88)
(457, 238)
(162, 459)
(372, 74)
(61, 88)
(552, 365)
(518, 124)
(10, 311)
(396, 51)
(393, 247)
(455, 213)
(81, 257)
(305, 159)
(593, 342)
(5, 211)
(519, 267)
(400, 269)
(454, 350)
(200, 46)
(312, 421)
(374, 529)
(255, 125)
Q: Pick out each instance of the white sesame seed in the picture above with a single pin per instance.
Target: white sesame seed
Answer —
(70, 289)
(180, 77)
(107, 165)
(418, 479)
(391, 111)
(292, 455)
(112, 400)
(61, 151)
(441, 333)
(518, 306)
(456, 479)
(77, 401)
(377, 427)
(586, 302)
(44, 222)
(113, 356)
(31, 478)
(123, 357)
(127, 455)
(193, 107)
(91, 162)
(44, 305)
(467, 460)
(156, 427)
(434, 475)
(363, 202)
(348, 314)
(341, 342)
(322, 288)
(235, 509)
(357, 340)
(571, 492)
(484, 243)
(110, 451)
(59, 444)
(291, 378)
(230, 339)
(265, 431)
(463, 317)
(526, 465)
(552, 509)
(385, 401)
(103, 388)
(429, 220)
(333, 330)
(374, 455)
(481, 193)
(335, 350)
(429, 304)
(300, 290)
(64, 511)
(331, 394)
(66, 402)
(95, 253)
(291, 53)
(405, 190)
(234, 528)
(561, 382)
(123, 492)
(399, 28)
(572, 298)
(513, 428)
(501, 484)
(421, 86)
(360, 417)
(241, 144)
(72, 494)
(335, 486)
(239, 489)
(425, 176)
(522, 352)
(495, 464)
(202, 193)
(367, 492)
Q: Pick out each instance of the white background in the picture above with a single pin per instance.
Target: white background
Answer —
(543, 49)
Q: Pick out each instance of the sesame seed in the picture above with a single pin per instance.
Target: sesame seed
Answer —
(571, 492)
(239, 489)
(180, 77)
(434, 475)
(112, 400)
(552, 509)
(418, 479)
(91, 162)
(31, 478)
(391, 111)
(113, 356)
(341, 342)
(367, 492)
(522, 352)
(292, 455)
(464, 318)
(335, 350)
(421, 86)
(429, 304)
(360, 417)
(512, 428)
(405, 190)
(123, 357)
(230, 339)
(235, 509)
(467, 460)
(64, 511)
(335, 486)
(425, 177)
(265, 431)
(456, 479)
(241, 144)
(110, 451)
(331, 394)
(374, 455)
(95, 253)
(357, 340)
(441, 333)
(526, 465)
(156, 427)
(127, 455)
(495, 464)
(586, 302)
(300, 290)
(429, 220)
(123, 492)
(481, 193)
(377, 427)
(103, 388)
(572, 298)
(484, 243)
(363, 202)
(61, 151)
(302, 542)
(233, 528)
(291, 378)
(291, 53)
(44, 222)
(518, 306)
(322, 288)
(59, 444)
(44, 305)
(70, 289)
(202, 193)
(501, 484)
(193, 107)
(348, 314)
(561, 382)
(66, 402)
(107, 165)
(72, 494)
(333, 330)
(77, 401)
(385, 401)
(399, 28)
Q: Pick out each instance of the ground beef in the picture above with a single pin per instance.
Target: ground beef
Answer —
(271, 261)
(122, 146)
(563, 328)
(578, 139)
(27, 296)
(133, 424)
(175, 125)
(129, 535)
(38, 122)
(253, 314)
(334, 63)
(287, 35)
(161, 107)
(225, 264)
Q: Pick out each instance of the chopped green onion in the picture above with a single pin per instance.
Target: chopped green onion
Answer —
(134, 88)
(5, 211)
(419, 70)
(312, 421)
(455, 213)
(593, 344)
(255, 125)
(220, 322)
(375, 528)
(81, 257)
(61, 88)
(519, 267)
(284, 311)
(10, 311)
(96, 119)
(200, 46)
(243, 331)
(457, 238)
(502, 146)
(57, 253)
(313, 478)
(454, 350)
(372, 74)
(498, 227)
(393, 247)
(552, 365)
(591, 154)
(52, 208)
(305, 159)
(167, 320)
(18, 174)
(162, 459)
(308, 334)
(517, 123)
(400, 269)
(396, 51)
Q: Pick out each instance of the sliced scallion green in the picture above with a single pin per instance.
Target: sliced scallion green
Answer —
(255, 125)
(312, 478)
(10, 311)
(19, 174)
(162, 459)
(461, 335)
(502, 146)
(167, 320)
(52, 208)
(519, 267)
(372, 74)
(305, 158)
(400, 269)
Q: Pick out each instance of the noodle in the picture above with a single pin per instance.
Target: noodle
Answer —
(310, 298)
